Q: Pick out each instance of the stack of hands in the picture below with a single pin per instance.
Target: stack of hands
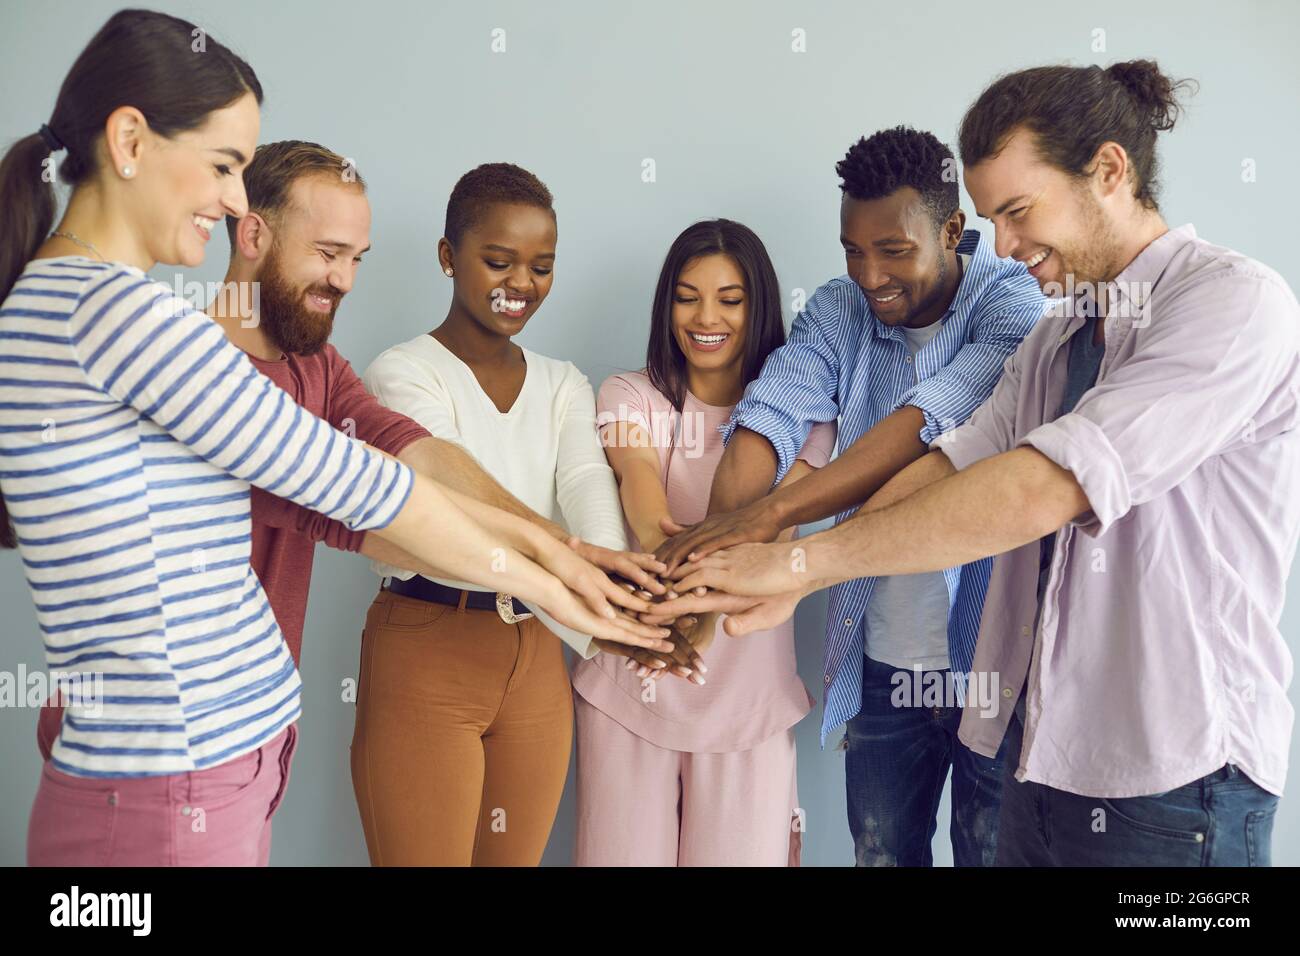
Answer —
(670, 601)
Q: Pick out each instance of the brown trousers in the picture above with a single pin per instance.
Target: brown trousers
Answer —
(463, 732)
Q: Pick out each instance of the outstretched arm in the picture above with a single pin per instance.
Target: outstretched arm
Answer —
(993, 506)
(842, 484)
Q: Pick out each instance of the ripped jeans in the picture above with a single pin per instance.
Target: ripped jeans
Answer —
(896, 763)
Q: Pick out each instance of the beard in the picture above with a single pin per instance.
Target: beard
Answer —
(283, 313)
(1096, 261)
(935, 293)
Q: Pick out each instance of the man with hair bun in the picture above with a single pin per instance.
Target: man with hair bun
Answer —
(1134, 471)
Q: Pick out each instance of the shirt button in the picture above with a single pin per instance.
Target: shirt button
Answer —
(1200, 838)
(828, 678)
(112, 799)
(848, 622)
(186, 811)
(1006, 692)
(1025, 630)
(908, 360)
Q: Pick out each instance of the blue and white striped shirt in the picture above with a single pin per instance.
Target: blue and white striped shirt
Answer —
(841, 361)
(130, 429)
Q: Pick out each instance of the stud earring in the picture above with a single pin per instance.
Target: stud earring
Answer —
(128, 172)
(447, 271)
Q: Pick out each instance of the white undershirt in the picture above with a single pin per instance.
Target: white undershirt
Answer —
(906, 624)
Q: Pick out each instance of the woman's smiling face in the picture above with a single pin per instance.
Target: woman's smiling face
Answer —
(504, 264)
(187, 184)
(709, 313)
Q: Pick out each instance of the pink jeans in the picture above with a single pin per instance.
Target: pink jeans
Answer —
(220, 816)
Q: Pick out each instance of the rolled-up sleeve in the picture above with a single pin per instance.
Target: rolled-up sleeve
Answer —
(820, 445)
(273, 512)
(949, 396)
(1214, 363)
(796, 388)
(991, 428)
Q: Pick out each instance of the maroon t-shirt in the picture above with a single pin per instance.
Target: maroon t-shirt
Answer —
(284, 533)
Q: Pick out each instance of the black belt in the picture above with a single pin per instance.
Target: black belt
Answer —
(422, 589)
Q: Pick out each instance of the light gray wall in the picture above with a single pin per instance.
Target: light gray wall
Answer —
(738, 125)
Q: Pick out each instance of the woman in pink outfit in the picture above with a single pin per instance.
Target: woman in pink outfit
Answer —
(700, 771)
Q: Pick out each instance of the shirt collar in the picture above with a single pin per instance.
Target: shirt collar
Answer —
(1132, 287)
(1138, 278)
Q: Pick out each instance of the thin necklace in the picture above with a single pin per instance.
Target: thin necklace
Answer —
(80, 242)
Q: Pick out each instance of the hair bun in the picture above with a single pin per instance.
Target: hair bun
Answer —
(1154, 91)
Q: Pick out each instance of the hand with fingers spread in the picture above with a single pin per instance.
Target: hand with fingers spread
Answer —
(623, 629)
(586, 599)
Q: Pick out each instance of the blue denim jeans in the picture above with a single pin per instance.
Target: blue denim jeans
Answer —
(1222, 819)
(895, 766)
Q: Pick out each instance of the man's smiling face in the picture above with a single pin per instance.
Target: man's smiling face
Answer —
(317, 243)
(896, 254)
(1042, 216)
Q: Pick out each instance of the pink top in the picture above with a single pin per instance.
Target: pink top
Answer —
(753, 688)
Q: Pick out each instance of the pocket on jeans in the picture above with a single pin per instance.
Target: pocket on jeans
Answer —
(73, 789)
(285, 761)
(1162, 815)
(73, 822)
(411, 616)
(226, 783)
(1259, 836)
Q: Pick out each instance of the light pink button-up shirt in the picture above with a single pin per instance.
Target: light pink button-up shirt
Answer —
(1158, 657)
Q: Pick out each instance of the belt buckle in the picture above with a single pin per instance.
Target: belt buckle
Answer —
(506, 609)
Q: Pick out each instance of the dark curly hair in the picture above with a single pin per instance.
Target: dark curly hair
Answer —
(886, 161)
(486, 185)
(1073, 110)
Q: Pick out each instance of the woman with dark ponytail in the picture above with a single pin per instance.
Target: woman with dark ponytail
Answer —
(130, 431)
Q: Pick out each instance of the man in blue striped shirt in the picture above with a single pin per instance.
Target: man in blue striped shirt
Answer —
(901, 349)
